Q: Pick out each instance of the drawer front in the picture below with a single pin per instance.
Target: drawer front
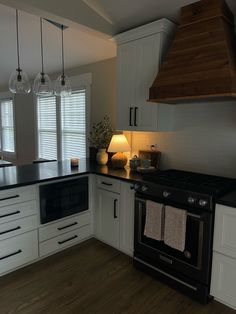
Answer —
(64, 240)
(18, 195)
(63, 226)
(223, 280)
(19, 226)
(17, 211)
(17, 251)
(225, 231)
(108, 184)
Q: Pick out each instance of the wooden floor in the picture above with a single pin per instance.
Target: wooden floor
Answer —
(92, 278)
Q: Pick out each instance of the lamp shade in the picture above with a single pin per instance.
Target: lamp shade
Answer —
(118, 143)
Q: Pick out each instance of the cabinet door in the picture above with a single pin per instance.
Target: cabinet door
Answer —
(127, 64)
(225, 231)
(107, 217)
(127, 219)
(223, 280)
(148, 59)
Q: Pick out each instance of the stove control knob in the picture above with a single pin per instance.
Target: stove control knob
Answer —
(144, 188)
(166, 194)
(136, 186)
(202, 203)
(191, 200)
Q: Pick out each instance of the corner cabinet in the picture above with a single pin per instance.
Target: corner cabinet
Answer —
(140, 52)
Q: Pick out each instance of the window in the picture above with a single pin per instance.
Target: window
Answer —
(7, 129)
(62, 126)
(47, 127)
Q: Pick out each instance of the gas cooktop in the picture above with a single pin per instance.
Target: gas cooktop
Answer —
(191, 181)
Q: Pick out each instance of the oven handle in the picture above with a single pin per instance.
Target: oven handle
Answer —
(199, 217)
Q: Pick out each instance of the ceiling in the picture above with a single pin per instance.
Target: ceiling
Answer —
(81, 47)
(127, 14)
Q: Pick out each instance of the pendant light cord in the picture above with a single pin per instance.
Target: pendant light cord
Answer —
(17, 40)
(62, 50)
(41, 34)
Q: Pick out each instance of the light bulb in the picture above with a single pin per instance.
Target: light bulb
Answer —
(62, 86)
(19, 82)
(42, 85)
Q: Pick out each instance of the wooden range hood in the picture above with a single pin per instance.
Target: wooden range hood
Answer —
(202, 60)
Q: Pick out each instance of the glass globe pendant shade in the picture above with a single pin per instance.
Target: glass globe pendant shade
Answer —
(19, 82)
(42, 85)
(62, 86)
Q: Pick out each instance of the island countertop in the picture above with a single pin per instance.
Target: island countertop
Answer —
(16, 176)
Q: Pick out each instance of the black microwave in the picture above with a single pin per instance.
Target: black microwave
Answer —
(62, 199)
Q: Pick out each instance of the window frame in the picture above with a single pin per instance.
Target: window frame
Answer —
(78, 82)
(5, 96)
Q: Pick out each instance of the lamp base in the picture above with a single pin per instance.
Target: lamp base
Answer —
(119, 160)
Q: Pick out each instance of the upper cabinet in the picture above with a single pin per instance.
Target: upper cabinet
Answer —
(140, 52)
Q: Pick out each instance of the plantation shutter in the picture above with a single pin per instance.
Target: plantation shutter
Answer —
(7, 126)
(47, 127)
(73, 125)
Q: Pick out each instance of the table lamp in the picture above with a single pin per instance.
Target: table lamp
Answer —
(119, 145)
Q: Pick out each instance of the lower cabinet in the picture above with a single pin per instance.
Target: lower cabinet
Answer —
(107, 217)
(223, 279)
(66, 232)
(114, 217)
(17, 251)
(223, 286)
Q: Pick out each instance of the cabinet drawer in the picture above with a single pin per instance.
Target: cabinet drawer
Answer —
(223, 281)
(225, 231)
(63, 226)
(16, 227)
(108, 184)
(17, 211)
(18, 251)
(18, 195)
(64, 240)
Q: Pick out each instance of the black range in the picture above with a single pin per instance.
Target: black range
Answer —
(190, 270)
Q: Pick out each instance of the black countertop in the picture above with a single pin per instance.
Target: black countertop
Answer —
(16, 176)
(228, 200)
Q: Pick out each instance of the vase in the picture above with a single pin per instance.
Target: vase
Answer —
(102, 156)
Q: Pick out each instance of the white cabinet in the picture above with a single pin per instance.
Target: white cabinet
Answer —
(114, 216)
(107, 217)
(127, 219)
(139, 54)
(223, 281)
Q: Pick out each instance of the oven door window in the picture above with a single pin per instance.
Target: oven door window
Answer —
(194, 236)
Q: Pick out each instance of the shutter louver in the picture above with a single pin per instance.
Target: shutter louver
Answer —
(47, 127)
(7, 123)
(73, 125)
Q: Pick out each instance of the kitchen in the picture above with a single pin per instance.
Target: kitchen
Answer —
(195, 136)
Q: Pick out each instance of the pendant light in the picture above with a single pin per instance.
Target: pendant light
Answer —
(42, 83)
(19, 82)
(62, 84)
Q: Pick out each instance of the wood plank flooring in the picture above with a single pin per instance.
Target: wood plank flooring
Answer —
(92, 278)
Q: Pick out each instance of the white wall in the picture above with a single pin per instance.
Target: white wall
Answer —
(203, 140)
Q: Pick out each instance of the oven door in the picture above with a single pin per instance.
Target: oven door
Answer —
(194, 261)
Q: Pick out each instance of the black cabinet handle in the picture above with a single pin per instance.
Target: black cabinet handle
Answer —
(12, 254)
(115, 208)
(106, 183)
(135, 116)
(130, 116)
(10, 230)
(9, 197)
(10, 214)
(72, 238)
(68, 226)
